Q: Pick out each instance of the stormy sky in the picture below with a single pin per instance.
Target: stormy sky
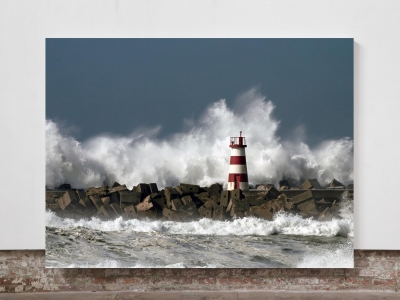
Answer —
(117, 86)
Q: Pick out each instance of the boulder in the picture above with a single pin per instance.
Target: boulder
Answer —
(310, 184)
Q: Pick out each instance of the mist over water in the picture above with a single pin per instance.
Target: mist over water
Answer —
(199, 154)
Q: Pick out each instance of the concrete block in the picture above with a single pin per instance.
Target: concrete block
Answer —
(201, 198)
(129, 197)
(101, 191)
(153, 188)
(130, 212)
(255, 198)
(189, 208)
(187, 199)
(335, 183)
(205, 212)
(144, 189)
(265, 211)
(236, 194)
(310, 184)
(350, 186)
(211, 204)
(218, 212)
(176, 204)
(80, 194)
(115, 185)
(170, 193)
(96, 201)
(160, 203)
(117, 210)
(272, 193)
(224, 201)
(241, 205)
(150, 214)
(105, 200)
(67, 198)
(189, 188)
(118, 188)
(106, 211)
(114, 197)
(145, 205)
(179, 190)
(302, 197)
(264, 186)
(87, 203)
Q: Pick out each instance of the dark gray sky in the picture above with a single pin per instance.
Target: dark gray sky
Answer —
(118, 85)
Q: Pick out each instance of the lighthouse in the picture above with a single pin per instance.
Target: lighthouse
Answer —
(238, 168)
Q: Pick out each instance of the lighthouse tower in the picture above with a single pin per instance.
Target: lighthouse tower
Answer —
(238, 169)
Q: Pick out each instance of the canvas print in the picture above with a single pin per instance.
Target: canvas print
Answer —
(199, 153)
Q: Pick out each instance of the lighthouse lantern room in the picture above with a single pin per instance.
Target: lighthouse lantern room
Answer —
(238, 168)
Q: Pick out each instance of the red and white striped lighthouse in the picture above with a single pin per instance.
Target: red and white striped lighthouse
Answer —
(237, 168)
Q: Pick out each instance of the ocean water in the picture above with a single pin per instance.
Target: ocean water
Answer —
(286, 242)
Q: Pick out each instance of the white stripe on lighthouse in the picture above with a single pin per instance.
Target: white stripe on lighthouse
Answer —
(237, 169)
(238, 152)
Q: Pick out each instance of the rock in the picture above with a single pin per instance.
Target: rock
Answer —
(310, 184)
(145, 205)
(225, 196)
(189, 188)
(129, 197)
(117, 188)
(335, 183)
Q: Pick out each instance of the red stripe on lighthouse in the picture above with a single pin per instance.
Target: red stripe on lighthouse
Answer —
(238, 160)
(242, 177)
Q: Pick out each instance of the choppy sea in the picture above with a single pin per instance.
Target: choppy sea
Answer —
(286, 242)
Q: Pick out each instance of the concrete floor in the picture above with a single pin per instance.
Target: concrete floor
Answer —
(202, 295)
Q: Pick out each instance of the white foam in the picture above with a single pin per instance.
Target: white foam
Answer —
(198, 155)
(283, 223)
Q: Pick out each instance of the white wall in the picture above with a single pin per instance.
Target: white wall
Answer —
(374, 25)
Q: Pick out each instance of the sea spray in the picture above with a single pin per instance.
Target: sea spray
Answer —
(198, 155)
